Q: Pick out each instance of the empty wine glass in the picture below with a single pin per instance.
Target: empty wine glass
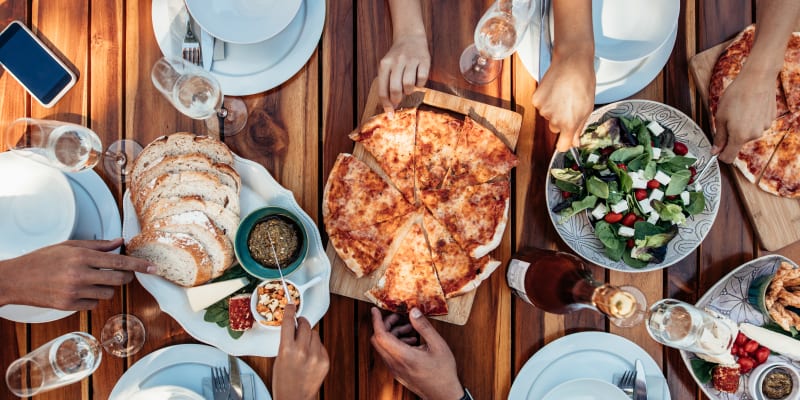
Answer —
(497, 35)
(69, 147)
(59, 362)
(123, 335)
(198, 95)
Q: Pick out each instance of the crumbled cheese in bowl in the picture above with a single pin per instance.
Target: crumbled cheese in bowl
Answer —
(272, 301)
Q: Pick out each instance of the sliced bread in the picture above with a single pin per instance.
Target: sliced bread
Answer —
(222, 217)
(186, 183)
(177, 144)
(179, 257)
(197, 225)
(188, 162)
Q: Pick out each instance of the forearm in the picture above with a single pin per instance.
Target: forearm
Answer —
(774, 24)
(7, 271)
(406, 18)
(573, 28)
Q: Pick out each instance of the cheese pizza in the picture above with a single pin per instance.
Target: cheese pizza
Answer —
(754, 155)
(790, 73)
(782, 175)
(480, 156)
(437, 136)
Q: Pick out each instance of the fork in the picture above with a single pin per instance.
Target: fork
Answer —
(626, 382)
(191, 46)
(220, 383)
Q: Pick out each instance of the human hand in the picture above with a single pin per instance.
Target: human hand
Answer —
(565, 96)
(745, 110)
(302, 361)
(429, 370)
(72, 275)
(403, 68)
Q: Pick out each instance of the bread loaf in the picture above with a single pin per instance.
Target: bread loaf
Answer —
(188, 162)
(179, 257)
(223, 218)
(186, 183)
(179, 144)
(197, 225)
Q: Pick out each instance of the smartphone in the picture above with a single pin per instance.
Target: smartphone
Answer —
(34, 65)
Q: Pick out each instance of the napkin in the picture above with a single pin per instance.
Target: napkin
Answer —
(248, 388)
(655, 384)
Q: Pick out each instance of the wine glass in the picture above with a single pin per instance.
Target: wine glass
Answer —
(123, 335)
(497, 35)
(69, 147)
(59, 362)
(198, 95)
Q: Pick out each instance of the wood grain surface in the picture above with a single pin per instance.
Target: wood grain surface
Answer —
(296, 131)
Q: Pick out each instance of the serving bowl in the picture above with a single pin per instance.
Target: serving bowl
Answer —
(249, 260)
(276, 288)
(243, 21)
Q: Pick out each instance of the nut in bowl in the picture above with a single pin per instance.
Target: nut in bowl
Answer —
(270, 237)
(269, 301)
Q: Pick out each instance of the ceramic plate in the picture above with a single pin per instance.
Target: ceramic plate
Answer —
(98, 218)
(586, 389)
(578, 233)
(243, 21)
(259, 189)
(578, 356)
(248, 68)
(729, 297)
(183, 365)
(629, 30)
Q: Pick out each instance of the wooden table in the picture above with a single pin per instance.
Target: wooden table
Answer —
(296, 131)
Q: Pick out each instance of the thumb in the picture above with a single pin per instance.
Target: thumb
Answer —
(425, 329)
(99, 245)
(720, 138)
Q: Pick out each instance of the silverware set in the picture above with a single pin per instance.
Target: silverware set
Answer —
(203, 49)
(227, 385)
(633, 383)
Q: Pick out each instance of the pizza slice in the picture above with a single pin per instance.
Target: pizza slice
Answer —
(437, 136)
(410, 279)
(782, 175)
(475, 215)
(480, 156)
(391, 141)
(790, 74)
(458, 272)
(368, 249)
(754, 156)
(355, 197)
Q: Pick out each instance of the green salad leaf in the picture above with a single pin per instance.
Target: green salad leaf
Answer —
(697, 203)
(625, 154)
(614, 245)
(567, 175)
(576, 207)
(678, 182)
(568, 186)
(597, 187)
(669, 212)
(702, 370)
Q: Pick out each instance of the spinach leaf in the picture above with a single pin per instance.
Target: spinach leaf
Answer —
(669, 212)
(678, 182)
(674, 164)
(597, 187)
(697, 203)
(235, 334)
(577, 206)
(650, 170)
(624, 154)
(702, 370)
(567, 174)
(638, 163)
(628, 259)
(568, 186)
(614, 245)
(643, 135)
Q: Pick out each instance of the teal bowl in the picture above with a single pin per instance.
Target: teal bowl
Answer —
(249, 262)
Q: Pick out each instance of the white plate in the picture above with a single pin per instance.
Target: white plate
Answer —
(615, 80)
(586, 389)
(243, 21)
(577, 232)
(248, 68)
(98, 218)
(729, 297)
(259, 189)
(183, 365)
(629, 30)
(596, 355)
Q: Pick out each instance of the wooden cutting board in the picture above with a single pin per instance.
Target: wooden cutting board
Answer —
(505, 124)
(776, 220)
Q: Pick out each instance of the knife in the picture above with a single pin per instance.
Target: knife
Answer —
(639, 385)
(206, 49)
(236, 378)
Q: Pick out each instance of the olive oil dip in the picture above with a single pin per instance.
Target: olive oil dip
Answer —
(285, 236)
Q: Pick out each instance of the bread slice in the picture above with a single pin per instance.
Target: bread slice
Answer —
(197, 225)
(188, 183)
(222, 217)
(178, 144)
(188, 162)
(180, 258)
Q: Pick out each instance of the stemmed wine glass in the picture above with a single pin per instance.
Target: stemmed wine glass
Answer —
(123, 335)
(497, 35)
(69, 147)
(198, 95)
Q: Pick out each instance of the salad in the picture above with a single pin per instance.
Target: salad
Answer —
(637, 184)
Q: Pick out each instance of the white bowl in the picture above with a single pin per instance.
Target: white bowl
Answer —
(243, 21)
(757, 376)
(586, 389)
(166, 392)
(628, 30)
(37, 206)
(301, 288)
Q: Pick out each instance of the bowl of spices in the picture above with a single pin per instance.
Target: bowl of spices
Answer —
(774, 381)
(270, 237)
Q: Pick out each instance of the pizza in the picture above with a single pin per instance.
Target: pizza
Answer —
(391, 141)
(782, 175)
(410, 280)
(412, 254)
(790, 73)
(754, 155)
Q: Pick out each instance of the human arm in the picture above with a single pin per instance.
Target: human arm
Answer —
(73, 275)
(747, 107)
(407, 63)
(302, 361)
(565, 96)
(429, 370)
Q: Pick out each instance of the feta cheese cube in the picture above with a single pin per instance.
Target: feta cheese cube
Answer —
(600, 211)
(638, 182)
(625, 231)
(685, 197)
(697, 186)
(655, 128)
(620, 207)
(653, 218)
(662, 178)
(645, 206)
(656, 194)
(606, 172)
(593, 158)
(656, 153)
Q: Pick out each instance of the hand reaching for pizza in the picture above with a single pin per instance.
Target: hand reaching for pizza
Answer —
(302, 361)
(429, 370)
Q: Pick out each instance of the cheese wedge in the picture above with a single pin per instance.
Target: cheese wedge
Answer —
(201, 297)
(775, 341)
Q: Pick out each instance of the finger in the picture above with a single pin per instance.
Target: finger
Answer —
(287, 325)
(720, 137)
(108, 277)
(730, 152)
(410, 340)
(391, 320)
(564, 142)
(426, 330)
(378, 324)
(99, 245)
(383, 90)
(304, 332)
(120, 262)
(401, 330)
(409, 78)
(83, 305)
(97, 292)
(396, 86)
(422, 74)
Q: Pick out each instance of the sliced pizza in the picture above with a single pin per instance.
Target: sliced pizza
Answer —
(475, 215)
(355, 197)
(368, 249)
(754, 155)
(782, 175)
(437, 136)
(391, 141)
(480, 156)
(790, 74)
(410, 280)
(458, 272)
